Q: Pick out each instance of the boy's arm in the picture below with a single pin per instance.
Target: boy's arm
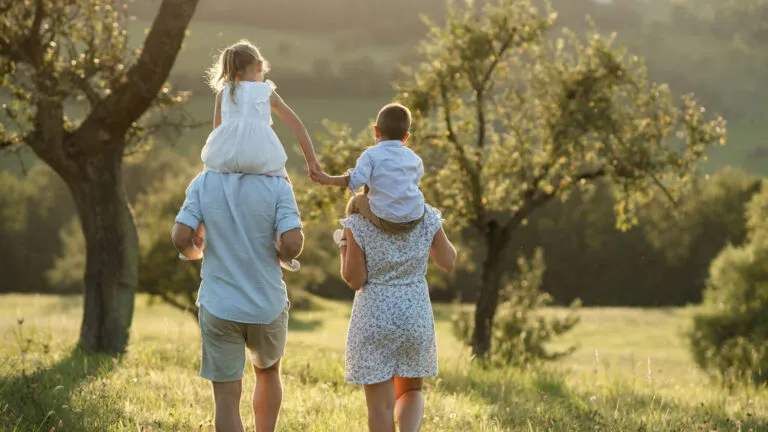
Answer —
(341, 180)
(353, 179)
(289, 117)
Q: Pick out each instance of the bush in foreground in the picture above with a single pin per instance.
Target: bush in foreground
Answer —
(520, 331)
(730, 337)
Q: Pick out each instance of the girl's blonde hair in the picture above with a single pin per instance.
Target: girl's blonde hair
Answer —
(232, 63)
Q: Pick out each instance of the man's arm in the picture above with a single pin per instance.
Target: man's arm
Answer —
(185, 242)
(288, 225)
(291, 243)
(187, 221)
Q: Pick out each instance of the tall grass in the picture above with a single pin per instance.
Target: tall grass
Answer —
(632, 372)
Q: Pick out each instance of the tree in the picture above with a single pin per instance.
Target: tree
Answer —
(54, 54)
(507, 119)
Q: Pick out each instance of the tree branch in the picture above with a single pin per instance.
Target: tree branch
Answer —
(531, 202)
(474, 178)
(9, 143)
(167, 298)
(118, 111)
(90, 93)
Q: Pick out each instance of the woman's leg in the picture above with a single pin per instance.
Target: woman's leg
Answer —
(380, 399)
(409, 405)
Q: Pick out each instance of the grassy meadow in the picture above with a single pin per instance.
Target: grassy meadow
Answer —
(630, 372)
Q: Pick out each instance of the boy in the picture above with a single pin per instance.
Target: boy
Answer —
(390, 172)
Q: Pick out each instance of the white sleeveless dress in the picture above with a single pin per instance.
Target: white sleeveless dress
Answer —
(245, 141)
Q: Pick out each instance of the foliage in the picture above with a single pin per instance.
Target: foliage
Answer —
(507, 120)
(77, 53)
(708, 206)
(521, 331)
(729, 336)
(32, 211)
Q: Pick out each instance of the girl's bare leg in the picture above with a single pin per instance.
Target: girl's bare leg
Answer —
(380, 399)
(409, 405)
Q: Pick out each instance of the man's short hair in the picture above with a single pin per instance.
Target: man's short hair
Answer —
(393, 121)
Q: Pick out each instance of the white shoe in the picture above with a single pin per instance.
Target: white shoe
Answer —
(292, 266)
(337, 236)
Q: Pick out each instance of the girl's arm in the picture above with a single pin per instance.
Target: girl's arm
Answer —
(442, 251)
(353, 269)
(217, 112)
(289, 117)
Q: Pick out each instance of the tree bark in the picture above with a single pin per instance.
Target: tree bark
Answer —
(490, 286)
(112, 258)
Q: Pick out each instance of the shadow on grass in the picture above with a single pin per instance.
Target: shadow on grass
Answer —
(542, 400)
(38, 400)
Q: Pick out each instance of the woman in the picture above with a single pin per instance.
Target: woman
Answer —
(391, 341)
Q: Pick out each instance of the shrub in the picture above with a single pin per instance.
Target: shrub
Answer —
(521, 331)
(729, 338)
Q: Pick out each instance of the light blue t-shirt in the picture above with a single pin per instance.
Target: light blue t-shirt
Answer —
(243, 215)
(393, 172)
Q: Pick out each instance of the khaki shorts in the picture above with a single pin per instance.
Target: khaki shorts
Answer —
(360, 204)
(224, 343)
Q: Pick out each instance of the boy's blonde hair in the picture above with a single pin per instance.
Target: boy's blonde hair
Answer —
(393, 121)
(232, 64)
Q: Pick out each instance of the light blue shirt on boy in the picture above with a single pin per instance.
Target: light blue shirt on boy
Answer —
(393, 173)
(243, 215)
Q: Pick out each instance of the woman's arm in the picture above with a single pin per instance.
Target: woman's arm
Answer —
(289, 117)
(217, 111)
(442, 251)
(353, 269)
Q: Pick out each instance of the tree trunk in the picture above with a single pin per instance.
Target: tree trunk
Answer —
(112, 251)
(488, 298)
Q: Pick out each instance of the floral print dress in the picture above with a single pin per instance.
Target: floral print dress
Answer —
(392, 328)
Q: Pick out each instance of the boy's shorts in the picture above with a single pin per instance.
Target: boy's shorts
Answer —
(224, 343)
(359, 204)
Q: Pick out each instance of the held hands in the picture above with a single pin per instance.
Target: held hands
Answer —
(315, 171)
(317, 175)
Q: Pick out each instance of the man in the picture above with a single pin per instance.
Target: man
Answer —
(251, 223)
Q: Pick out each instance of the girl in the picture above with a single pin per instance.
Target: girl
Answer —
(242, 140)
